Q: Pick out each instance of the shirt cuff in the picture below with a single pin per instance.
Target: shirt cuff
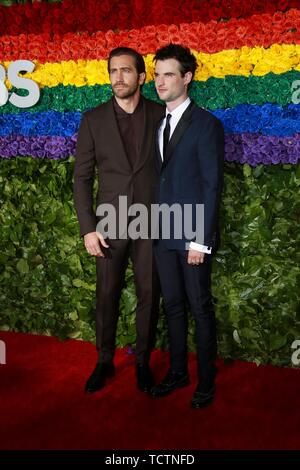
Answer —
(201, 248)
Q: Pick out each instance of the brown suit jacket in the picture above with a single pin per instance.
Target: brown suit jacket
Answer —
(99, 146)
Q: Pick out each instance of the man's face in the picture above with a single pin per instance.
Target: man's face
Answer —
(169, 83)
(124, 78)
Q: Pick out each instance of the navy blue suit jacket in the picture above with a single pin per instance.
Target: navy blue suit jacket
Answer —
(192, 173)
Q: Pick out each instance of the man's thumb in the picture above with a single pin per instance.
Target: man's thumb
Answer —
(102, 241)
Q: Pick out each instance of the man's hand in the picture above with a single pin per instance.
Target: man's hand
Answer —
(93, 242)
(195, 257)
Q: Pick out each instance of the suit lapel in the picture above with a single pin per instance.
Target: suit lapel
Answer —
(180, 129)
(158, 155)
(147, 136)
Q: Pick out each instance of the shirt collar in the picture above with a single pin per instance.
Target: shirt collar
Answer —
(178, 112)
(120, 111)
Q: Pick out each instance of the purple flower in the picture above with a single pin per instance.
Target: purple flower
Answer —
(254, 149)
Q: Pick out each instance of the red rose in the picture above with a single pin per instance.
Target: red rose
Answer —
(152, 46)
(65, 46)
(221, 36)
(241, 32)
(109, 35)
(176, 38)
(192, 41)
(173, 29)
(142, 49)
(275, 38)
(149, 30)
(133, 33)
(230, 43)
(7, 53)
(293, 15)
(100, 52)
(289, 23)
(36, 51)
(163, 28)
(163, 39)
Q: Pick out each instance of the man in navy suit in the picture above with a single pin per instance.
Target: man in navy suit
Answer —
(190, 153)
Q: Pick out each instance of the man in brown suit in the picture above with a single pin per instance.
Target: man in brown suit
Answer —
(117, 138)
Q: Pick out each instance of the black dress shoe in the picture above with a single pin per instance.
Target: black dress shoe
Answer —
(97, 379)
(203, 395)
(144, 377)
(171, 382)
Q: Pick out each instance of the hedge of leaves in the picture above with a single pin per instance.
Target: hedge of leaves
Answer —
(47, 280)
(248, 55)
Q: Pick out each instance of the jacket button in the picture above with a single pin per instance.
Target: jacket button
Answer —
(163, 180)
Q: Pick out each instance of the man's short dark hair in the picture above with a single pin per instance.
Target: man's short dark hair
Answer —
(138, 58)
(183, 55)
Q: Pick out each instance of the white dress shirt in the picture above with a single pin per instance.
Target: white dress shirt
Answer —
(176, 116)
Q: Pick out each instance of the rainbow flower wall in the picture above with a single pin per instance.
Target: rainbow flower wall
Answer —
(248, 75)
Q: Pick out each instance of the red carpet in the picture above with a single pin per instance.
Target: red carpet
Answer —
(42, 404)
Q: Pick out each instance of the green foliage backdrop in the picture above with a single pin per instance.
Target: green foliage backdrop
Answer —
(47, 281)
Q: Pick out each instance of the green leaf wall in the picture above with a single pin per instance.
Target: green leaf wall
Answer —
(47, 281)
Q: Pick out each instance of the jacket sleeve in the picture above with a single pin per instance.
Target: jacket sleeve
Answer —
(84, 174)
(211, 161)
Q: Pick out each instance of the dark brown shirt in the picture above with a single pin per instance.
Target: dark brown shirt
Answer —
(131, 127)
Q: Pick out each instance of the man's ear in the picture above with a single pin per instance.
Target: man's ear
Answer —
(142, 78)
(188, 76)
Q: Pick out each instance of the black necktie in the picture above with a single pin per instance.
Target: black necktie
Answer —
(167, 130)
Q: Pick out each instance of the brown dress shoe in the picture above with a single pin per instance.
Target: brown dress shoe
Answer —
(144, 377)
(96, 381)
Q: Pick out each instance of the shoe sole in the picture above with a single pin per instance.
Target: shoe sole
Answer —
(202, 404)
(108, 376)
(183, 384)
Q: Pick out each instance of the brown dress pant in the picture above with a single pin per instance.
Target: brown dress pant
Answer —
(110, 281)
